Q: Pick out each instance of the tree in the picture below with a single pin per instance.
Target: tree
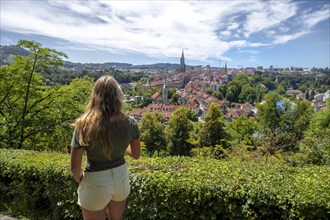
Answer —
(208, 91)
(230, 96)
(236, 89)
(68, 103)
(303, 87)
(152, 133)
(315, 145)
(223, 89)
(24, 99)
(282, 123)
(312, 94)
(217, 94)
(241, 130)
(269, 112)
(269, 83)
(280, 89)
(261, 90)
(307, 95)
(175, 98)
(147, 96)
(269, 116)
(212, 132)
(247, 94)
(191, 115)
(242, 79)
(302, 112)
(171, 92)
(178, 133)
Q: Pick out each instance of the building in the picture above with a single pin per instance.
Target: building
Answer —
(182, 63)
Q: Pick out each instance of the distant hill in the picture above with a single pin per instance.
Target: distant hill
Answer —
(158, 66)
(91, 66)
(7, 51)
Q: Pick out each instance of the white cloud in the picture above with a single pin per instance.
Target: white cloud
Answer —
(158, 28)
(313, 18)
(281, 39)
(253, 52)
(267, 15)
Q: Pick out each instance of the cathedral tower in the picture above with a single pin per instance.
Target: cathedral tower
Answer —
(182, 63)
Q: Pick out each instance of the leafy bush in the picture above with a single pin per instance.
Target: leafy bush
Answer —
(39, 185)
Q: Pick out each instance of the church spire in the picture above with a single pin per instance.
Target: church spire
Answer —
(165, 91)
(182, 63)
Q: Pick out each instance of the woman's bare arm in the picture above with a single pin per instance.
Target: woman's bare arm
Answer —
(75, 162)
(134, 149)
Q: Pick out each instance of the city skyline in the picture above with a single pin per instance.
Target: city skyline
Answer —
(239, 33)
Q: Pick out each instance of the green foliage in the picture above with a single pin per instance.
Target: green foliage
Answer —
(302, 113)
(175, 98)
(247, 94)
(241, 130)
(269, 112)
(209, 91)
(24, 101)
(171, 92)
(37, 185)
(261, 90)
(280, 89)
(152, 133)
(215, 152)
(68, 103)
(234, 89)
(282, 123)
(217, 94)
(191, 115)
(303, 87)
(35, 116)
(178, 132)
(315, 146)
(40, 186)
(61, 77)
(223, 89)
(212, 132)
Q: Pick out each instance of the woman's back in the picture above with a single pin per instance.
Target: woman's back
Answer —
(121, 131)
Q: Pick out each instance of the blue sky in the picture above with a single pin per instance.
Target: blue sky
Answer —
(246, 33)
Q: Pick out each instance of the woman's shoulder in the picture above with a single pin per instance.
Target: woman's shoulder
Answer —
(131, 120)
(126, 119)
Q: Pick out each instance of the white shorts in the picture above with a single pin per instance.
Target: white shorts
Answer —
(97, 189)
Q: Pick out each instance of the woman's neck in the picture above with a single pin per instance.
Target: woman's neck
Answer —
(116, 117)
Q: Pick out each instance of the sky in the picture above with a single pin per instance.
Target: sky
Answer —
(240, 33)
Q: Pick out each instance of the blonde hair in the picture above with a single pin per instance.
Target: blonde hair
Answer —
(106, 101)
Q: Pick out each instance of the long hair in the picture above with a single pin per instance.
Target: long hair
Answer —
(106, 101)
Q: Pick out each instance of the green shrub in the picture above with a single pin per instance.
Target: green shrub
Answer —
(40, 185)
(37, 185)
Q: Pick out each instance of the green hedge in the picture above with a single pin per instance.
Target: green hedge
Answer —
(40, 186)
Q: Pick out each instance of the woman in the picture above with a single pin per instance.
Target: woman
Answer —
(105, 133)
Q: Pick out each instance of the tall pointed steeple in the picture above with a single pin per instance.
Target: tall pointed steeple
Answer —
(182, 63)
(165, 91)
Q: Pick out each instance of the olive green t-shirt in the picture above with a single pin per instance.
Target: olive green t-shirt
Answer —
(121, 134)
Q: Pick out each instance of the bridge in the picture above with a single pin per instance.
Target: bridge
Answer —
(277, 76)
